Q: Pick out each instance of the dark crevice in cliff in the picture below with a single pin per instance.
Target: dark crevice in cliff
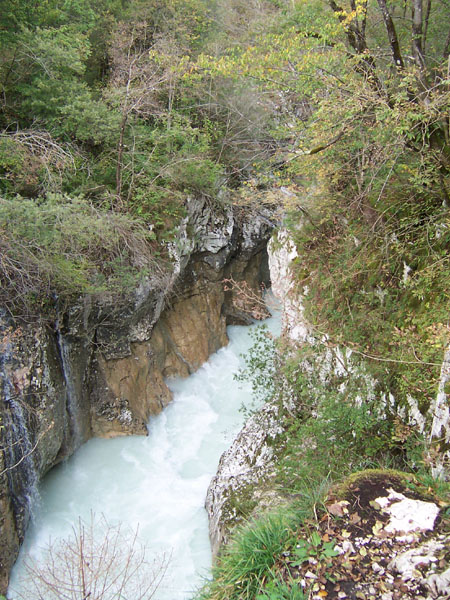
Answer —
(19, 458)
(71, 400)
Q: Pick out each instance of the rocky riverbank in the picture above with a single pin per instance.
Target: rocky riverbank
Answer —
(257, 474)
(99, 369)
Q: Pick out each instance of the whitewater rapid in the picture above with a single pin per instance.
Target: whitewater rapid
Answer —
(157, 483)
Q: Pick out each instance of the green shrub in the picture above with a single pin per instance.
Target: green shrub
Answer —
(60, 247)
(260, 367)
(240, 571)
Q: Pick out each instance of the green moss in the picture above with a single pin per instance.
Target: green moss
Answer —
(239, 505)
(394, 475)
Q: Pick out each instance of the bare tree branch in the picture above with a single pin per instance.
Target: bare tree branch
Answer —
(30, 451)
(99, 561)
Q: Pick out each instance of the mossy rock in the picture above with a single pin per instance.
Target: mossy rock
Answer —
(361, 548)
(360, 491)
(378, 480)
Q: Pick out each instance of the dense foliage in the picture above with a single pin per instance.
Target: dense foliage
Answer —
(102, 110)
(363, 143)
(113, 112)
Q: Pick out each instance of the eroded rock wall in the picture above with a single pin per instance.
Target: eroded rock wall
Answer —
(242, 486)
(99, 369)
(433, 424)
(35, 427)
(237, 488)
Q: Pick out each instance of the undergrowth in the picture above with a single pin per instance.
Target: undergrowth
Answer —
(247, 561)
(332, 426)
(377, 284)
(57, 248)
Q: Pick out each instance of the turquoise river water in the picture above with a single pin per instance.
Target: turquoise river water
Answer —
(157, 483)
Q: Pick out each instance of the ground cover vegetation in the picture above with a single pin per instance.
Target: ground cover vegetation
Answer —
(111, 115)
(332, 427)
(362, 149)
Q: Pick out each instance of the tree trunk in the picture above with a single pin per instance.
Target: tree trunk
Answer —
(123, 125)
(446, 53)
(417, 33)
(425, 26)
(392, 35)
(357, 39)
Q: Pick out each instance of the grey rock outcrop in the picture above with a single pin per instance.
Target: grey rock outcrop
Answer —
(100, 368)
(238, 486)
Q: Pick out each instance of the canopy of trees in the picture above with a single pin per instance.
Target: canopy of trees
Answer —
(361, 133)
(130, 106)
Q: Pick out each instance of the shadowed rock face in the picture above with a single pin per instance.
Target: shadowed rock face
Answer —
(9, 541)
(99, 369)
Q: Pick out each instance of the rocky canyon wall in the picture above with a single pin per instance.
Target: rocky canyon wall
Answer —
(242, 487)
(99, 369)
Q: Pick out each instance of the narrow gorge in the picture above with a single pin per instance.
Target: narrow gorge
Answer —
(62, 387)
(100, 370)
(162, 164)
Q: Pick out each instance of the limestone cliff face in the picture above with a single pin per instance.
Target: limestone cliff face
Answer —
(242, 486)
(238, 487)
(33, 413)
(100, 368)
(440, 425)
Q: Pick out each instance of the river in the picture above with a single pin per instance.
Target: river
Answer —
(156, 484)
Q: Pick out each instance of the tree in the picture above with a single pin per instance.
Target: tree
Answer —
(99, 561)
(136, 76)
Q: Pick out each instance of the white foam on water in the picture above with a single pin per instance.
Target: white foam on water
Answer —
(157, 483)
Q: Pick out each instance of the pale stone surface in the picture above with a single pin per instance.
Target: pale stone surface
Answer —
(407, 514)
(439, 584)
(404, 557)
(440, 425)
(435, 424)
(241, 467)
(410, 565)
(282, 252)
(406, 562)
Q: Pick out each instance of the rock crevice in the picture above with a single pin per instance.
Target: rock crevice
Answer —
(99, 371)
